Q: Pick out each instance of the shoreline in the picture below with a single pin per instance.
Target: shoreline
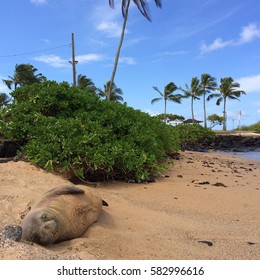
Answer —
(206, 206)
(249, 155)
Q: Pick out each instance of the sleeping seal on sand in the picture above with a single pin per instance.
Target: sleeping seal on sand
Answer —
(63, 213)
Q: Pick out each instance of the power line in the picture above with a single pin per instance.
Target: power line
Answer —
(26, 53)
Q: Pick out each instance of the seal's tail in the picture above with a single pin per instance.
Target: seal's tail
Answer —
(104, 203)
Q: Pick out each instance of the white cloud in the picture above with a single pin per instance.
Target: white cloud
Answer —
(58, 62)
(86, 58)
(250, 83)
(53, 60)
(39, 2)
(151, 112)
(173, 53)
(127, 60)
(247, 35)
(110, 28)
(106, 20)
(46, 41)
(217, 44)
(258, 111)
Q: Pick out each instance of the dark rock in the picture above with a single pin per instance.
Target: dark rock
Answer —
(219, 184)
(209, 243)
(174, 155)
(13, 232)
(9, 148)
(225, 143)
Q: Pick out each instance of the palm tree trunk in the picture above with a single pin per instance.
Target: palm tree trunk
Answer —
(165, 100)
(205, 114)
(224, 116)
(118, 50)
(192, 111)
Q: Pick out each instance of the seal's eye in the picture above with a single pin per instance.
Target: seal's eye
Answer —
(45, 218)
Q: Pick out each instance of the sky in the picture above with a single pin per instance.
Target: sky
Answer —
(184, 39)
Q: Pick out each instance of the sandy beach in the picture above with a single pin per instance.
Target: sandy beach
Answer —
(206, 206)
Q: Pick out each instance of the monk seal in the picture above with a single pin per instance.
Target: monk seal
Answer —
(63, 213)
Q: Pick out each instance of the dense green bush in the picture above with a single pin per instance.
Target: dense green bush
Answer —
(254, 127)
(192, 133)
(71, 130)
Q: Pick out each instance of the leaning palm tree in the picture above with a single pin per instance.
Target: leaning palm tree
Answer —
(228, 89)
(207, 84)
(24, 74)
(142, 6)
(168, 95)
(84, 82)
(115, 94)
(192, 91)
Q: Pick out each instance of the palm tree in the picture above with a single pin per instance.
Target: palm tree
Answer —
(115, 94)
(84, 82)
(168, 95)
(228, 89)
(4, 99)
(142, 6)
(192, 91)
(24, 74)
(207, 84)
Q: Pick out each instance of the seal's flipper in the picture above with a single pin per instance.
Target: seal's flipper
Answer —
(66, 190)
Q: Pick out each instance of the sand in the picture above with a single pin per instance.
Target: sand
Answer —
(206, 206)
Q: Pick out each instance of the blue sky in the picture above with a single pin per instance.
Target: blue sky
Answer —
(185, 39)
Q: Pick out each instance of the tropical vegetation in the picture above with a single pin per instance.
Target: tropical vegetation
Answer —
(228, 89)
(170, 118)
(254, 127)
(24, 74)
(207, 85)
(115, 92)
(73, 131)
(192, 133)
(84, 82)
(192, 91)
(4, 100)
(215, 119)
(80, 132)
(167, 95)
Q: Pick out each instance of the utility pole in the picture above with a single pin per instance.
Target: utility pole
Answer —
(73, 62)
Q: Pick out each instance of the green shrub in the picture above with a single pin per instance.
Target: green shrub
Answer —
(71, 130)
(192, 133)
(254, 127)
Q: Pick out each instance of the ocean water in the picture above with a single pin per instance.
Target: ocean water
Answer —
(253, 155)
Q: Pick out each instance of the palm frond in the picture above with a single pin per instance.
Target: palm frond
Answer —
(233, 97)
(170, 88)
(213, 95)
(156, 88)
(8, 83)
(155, 100)
(143, 8)
(177, 98)
(158, 3)
(219, 100)
(111, 3)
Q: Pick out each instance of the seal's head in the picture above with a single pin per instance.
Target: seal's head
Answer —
(40, 227)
